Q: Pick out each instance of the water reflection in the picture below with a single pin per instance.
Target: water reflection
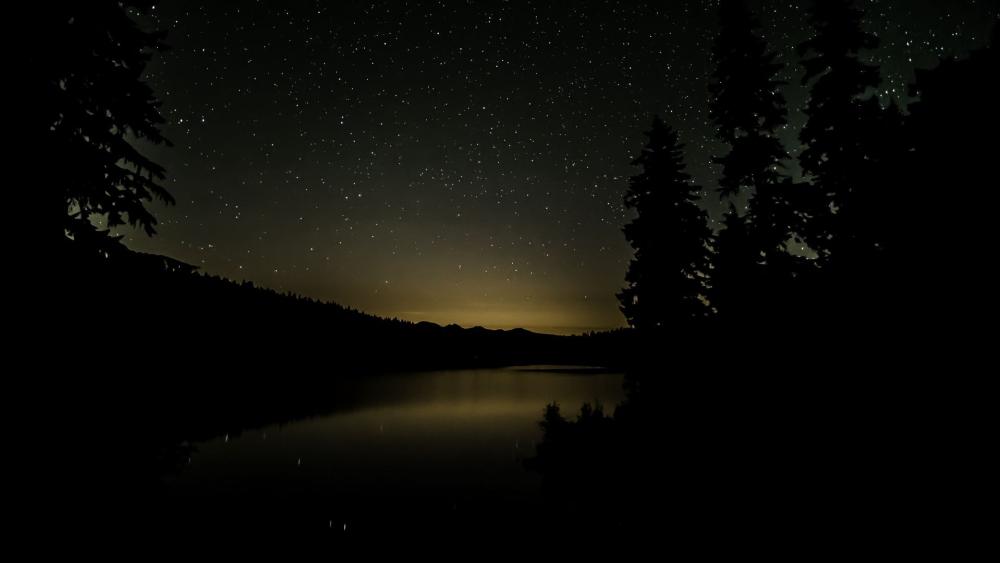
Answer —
(405, 450)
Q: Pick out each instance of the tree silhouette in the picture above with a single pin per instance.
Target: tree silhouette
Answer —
(747, 105)
(748, 109)
(842, 134)
(734, 264)
(670, 235)
(853, 157)
(92, 108)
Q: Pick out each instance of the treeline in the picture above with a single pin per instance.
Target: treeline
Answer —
(883, 234)
(807, 376)
(149, 355)
(167, 317)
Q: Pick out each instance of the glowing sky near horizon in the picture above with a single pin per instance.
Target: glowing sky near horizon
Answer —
(452, 161)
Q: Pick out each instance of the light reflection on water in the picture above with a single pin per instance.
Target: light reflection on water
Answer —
(448, 434)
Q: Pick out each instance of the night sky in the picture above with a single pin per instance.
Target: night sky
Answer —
(454, 161)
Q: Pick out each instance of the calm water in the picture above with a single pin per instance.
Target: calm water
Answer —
(445, 439)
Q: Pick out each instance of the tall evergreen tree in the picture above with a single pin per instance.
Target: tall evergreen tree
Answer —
(91, 105)
(747, 105)
(844, 135)
(734, 264)
(670, 234)
(748, 109)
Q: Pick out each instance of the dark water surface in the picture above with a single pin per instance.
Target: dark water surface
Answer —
(406, 450)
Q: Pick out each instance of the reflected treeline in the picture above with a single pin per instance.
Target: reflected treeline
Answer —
(721, 466)
(747, 419)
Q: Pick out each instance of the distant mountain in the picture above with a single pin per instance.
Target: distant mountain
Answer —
(157, 311)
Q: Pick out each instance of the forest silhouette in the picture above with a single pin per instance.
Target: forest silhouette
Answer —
(785, 386)
(873, 259)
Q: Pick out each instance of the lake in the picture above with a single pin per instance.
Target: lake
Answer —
(403, 450)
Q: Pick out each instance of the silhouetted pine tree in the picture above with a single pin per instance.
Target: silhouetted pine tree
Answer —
(91, 105)
(747, 105)
(748, 108)
(734, 264)
(670, 235)
(843, 135)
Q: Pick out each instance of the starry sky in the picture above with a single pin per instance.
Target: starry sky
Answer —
(455, 161)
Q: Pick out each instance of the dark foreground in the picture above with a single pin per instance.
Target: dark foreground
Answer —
(766, 465)
(765, 441)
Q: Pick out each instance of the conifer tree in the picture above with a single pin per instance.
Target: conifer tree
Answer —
(91, 106)
(733, 265)
(748, 109)
(844, 136)
(671, 238)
